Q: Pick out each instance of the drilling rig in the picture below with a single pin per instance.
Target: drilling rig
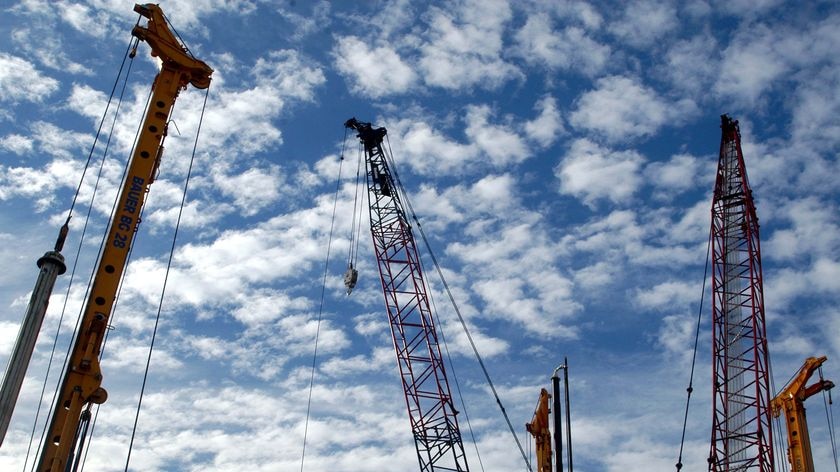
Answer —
(741, 425)
(81, 386)
(431, 409)
(791, 401)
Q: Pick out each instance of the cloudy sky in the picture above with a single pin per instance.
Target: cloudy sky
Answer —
(559, 154)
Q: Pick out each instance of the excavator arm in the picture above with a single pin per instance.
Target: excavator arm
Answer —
(791, 400)
(82, 382)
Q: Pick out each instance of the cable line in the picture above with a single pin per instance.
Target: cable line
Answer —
(690, 388)
(454, 375)
(455, 305)
(321, 310)
(829, 416)
(166, 279)
(127, 55)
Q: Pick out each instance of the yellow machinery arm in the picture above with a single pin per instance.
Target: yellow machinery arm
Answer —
(538, 427)
(791, 400)
(81, 385)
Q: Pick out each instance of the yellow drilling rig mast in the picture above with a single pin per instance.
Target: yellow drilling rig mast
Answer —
(81, 385)
(791, 401)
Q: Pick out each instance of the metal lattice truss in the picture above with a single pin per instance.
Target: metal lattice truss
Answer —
(427, 393)
(741, 429)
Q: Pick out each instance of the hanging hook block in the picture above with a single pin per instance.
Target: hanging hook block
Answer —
(350, 278)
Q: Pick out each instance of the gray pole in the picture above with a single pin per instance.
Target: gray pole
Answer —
(52, 265)
(558, 420)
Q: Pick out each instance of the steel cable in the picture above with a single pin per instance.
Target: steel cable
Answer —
(320, 312)
(165, 280)
(81, 241)
(690, 388)
(457, 309)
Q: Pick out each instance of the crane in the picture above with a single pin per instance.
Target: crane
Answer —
(81, 385)
(742, 439)
(428, 398)
(791, 400)
(538, 427)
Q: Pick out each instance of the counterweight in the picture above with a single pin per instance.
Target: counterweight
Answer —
(741, 428)
(428, 398)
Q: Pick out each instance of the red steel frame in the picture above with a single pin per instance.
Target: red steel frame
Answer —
(742, 439)
(427, 395)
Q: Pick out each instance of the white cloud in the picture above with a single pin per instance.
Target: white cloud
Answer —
(375, 72)
(570, 49)
(545, 128)
(465, 49)
(668, 296)
(692, 65)
(252, 190)
(750, 65)
(784, 286)
(533, 292)
(591, 173)
(429, 151)
(85, 20)
(21, 81)
(677, 333)
(17, 144)
(680, 173)
(492, 195)
(814, 231)
(621, 108)
(501, 145)
(645, 21)
(595, 276)
(290, 74)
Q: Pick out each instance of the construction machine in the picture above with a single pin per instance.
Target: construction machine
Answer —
(81, 385)
(791, 401)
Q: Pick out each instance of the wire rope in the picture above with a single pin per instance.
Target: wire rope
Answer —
(690, 388)
(165, 280)
(454, 374)
(829, 417)
(457, 309)
(364, 198)
(93, 271)
(82, 237)
(320, 313)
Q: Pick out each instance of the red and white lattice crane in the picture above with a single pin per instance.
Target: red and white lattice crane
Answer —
(741, 426)
(431, 409)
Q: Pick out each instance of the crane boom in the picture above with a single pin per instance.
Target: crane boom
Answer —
(791, 400)
(538, 427)
(741, 425)
(81, 385)
(428, 398)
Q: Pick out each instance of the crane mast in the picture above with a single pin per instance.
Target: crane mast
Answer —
(81, 384)
(538, 427)
(791, 400)
(428, 398)
(741, 425)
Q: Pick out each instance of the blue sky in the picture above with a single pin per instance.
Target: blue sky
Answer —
(560, 156)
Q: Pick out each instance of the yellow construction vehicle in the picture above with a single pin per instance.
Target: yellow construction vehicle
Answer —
(81, 384)
(791, 400)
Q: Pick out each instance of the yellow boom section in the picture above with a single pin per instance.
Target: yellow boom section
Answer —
(538, 427)
(791, 400)
(81, 384)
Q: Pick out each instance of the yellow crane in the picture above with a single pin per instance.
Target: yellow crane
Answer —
(791, 400)
(82, 382)
(538, 427)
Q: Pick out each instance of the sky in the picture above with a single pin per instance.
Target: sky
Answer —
(560, 156)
